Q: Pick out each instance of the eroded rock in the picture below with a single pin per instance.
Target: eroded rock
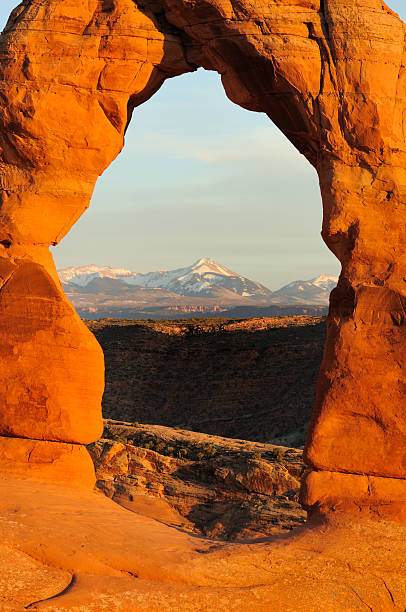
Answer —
(217, 487)
(331, 76)
(42, 460)
(51, 367)
(124, 561)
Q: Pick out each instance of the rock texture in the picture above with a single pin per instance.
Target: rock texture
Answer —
(50, 364)
(92, 555)
(253, 379)
(47, 461)
(332, 76)
(51, 373)
(217, 487)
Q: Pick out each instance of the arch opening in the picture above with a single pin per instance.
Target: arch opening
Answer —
(206, 207)
(230, 186)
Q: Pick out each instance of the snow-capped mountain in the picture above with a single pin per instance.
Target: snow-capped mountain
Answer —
(83, 275)
(205, 288)
(314, 291)
(204, 278)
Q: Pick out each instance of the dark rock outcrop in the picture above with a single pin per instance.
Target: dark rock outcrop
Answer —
(252, 379)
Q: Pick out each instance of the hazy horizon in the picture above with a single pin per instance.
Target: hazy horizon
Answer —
(202, 177)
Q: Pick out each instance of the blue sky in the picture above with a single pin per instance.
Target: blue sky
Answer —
(200, 177)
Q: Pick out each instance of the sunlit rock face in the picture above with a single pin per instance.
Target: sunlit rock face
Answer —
(330, 74)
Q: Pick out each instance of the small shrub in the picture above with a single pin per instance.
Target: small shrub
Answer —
(209, 450)
(117, 438)
(278, 454)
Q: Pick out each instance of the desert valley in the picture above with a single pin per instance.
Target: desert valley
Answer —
(174, 389)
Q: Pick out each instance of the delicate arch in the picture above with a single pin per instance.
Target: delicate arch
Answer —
(330, 74)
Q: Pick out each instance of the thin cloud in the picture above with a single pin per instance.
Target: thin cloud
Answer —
(248, 146)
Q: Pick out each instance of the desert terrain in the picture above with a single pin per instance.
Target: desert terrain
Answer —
(247, 378)
(222, 488)
(331, 76)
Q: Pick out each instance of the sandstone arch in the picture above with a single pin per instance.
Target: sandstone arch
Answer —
(331, 75)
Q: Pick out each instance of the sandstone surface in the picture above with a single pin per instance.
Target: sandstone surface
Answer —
(332, 76)
(218, 487)
(46, 461)
(92, 555)
(51, 366)
(51, 373)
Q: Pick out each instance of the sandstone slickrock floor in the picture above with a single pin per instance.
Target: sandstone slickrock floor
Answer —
(253, 379)
(218, 487)
(77, 550)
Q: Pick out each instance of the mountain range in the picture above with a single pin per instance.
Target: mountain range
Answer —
(206, 287)
(314, 291)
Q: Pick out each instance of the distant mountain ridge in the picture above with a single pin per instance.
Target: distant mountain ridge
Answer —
(205, 278)
(314, 291)
(206, 287)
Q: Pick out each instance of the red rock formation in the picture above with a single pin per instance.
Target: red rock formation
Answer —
(46, 461)
(52, 363)
(217, 487)
(330, 74)
(66, 550)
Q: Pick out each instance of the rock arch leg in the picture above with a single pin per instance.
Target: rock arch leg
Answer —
(51, 376)
(70, 75)
(356, 446)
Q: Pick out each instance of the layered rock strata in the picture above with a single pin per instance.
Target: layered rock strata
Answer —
(217, 487)
(51, 372)
(253, 379)
(330, 74)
